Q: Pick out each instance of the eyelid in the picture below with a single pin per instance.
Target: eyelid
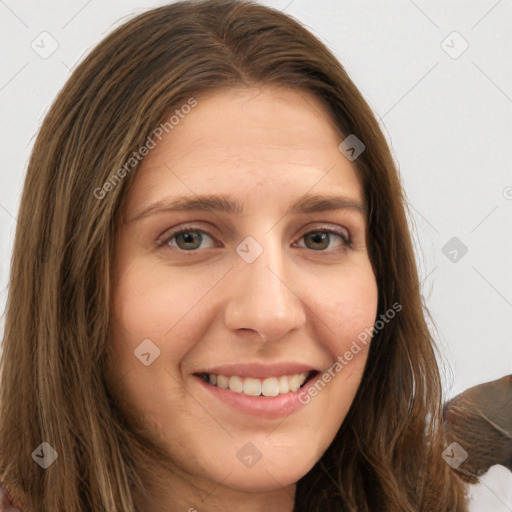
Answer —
(330, 228)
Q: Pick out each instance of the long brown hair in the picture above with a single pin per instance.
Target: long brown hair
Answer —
(387, 453)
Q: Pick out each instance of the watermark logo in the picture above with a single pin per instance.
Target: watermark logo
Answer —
(249, 249)
(249, 455)
(45, 45)
(454, 455)
(454, 249)
(45, 455)
(147, 352)
(351, 147)
(454, 45)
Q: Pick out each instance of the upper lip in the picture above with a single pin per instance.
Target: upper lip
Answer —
(259, 370)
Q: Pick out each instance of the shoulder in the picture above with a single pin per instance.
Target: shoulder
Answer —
(7, 500)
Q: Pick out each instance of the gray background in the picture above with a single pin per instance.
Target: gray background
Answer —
(446, 113)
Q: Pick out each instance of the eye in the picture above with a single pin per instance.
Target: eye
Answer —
(187, 239)
(191, 239)
(320, 240)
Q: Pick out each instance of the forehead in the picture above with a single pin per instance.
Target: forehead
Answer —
(260, 144)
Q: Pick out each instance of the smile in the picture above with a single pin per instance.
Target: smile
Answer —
(252, 386)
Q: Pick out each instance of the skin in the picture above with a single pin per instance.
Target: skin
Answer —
(300, 300)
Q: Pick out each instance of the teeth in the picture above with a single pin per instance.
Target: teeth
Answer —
(295, 383)
(222, 382)
(236, 384)
(271, 386)
(252, 387)
(284, 387)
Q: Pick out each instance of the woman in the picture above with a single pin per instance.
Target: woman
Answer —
(214, 303)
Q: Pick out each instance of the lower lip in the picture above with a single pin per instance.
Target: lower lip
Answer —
(269, 407)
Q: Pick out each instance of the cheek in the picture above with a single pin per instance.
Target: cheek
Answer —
(348, 308)
(148, 305)
(151, 304)
(345, 312)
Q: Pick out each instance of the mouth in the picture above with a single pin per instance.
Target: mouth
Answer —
(253, 386)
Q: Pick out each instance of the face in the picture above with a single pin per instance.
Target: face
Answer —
(237, 289)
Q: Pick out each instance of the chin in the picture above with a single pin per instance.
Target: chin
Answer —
(260, 481)
(277, 471)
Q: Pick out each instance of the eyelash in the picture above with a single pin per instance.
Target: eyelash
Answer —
(345, 238)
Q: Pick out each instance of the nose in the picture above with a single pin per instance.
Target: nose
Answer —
(263, 296)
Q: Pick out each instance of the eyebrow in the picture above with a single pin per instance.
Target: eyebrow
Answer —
(225, 204)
